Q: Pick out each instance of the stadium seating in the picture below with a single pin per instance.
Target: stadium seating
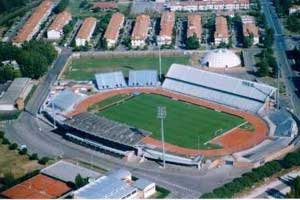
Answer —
(142, 78)
(64, 101)
(233, 92)
(110, 80)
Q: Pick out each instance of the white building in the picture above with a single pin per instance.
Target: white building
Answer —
(166, 28)
(249, 27)
(55, 31)
(86, 31)
(113, 29)
(140, 31)
(221, 34)
(220, 58)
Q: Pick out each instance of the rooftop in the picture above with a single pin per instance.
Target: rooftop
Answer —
(86, 28)
(107, 129)
(60, 21)
(37, 187)
(33, 21)
(220, 58)
(249, 26)
(114, 26)
(194, 26)
(167, 23)
(221, 27)
(105, 5)
(140, 30)
(14, 91)
(67, 172)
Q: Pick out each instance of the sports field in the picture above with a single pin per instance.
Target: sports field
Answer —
(85, 68)
(186, 125)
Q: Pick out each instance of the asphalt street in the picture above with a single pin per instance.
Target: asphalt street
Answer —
(280, 51)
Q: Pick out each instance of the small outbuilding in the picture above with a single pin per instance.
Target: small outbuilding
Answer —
(220, 58)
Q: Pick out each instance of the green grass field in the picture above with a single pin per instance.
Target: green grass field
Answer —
(85, 68)
(186, 125)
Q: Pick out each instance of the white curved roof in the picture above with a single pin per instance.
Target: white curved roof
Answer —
(221, 58)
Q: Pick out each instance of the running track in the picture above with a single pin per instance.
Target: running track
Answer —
(233, 141)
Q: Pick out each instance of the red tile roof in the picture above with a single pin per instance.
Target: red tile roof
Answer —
(33, 21)
(37, 187)
(167, 24)
(221, 27)
(60, 21)
(140, 30)
(114, 26)
(86, 28)
(194, 26)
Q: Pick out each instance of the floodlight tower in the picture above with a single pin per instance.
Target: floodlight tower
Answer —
(161, 114)
(159, 57)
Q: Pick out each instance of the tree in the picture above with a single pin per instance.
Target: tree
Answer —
(248, 40)
(43, 160)
(8, 178)
(295, 189)
(80, 181)
(293, 23)
(23, 151)
(8, 72)
(5, 141)
(193, 42)
(268, 38)
(63, 4)
(263, 68)
(34, 65)
(13, 146)
(33, 156)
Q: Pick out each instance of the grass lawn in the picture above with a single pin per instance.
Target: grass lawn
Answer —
(85, 68)
(186, 125)
(12, 162)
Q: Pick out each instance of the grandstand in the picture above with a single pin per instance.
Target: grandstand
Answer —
(102, 128)
(222, 89)
(142, 78)
(110, 80)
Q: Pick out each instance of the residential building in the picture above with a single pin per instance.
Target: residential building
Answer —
(37, 187)
(194, 26)
(55, 31)
(140, 31)
(166, 28)
(113, 29)
(221, 34)
(15, 94)
(32, 25)
(117, 184)
(208, 5)
(86, 31)
(249, 27)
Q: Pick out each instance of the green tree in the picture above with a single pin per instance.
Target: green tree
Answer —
(193, 42)
(43, 160)
(8, 72)
(248, 41)
(268, 38)
(8, 178)
(263, 68)
(13, 146)
(293, 23)
(80, 181)
(295, 189)
(34, 65)
(33, 156)
(61, 6)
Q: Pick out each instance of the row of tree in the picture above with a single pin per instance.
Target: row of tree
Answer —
(8, 5)
(33, 58)
(61, 6)
(247, 180)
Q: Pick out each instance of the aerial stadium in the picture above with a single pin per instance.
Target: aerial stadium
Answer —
(207, 114)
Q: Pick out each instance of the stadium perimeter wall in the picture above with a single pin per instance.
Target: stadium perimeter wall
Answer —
(234, 141)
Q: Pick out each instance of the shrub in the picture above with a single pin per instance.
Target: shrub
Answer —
(13, 146)
(23, 151)
(1, 134)
(43, 160)
(33, 156)
(5, 141)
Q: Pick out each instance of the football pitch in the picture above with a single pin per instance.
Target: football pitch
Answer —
(186, 125)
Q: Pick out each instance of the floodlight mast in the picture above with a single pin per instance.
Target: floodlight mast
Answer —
(160, 70)
(161, 114)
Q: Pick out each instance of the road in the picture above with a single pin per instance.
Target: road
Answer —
(280, 51)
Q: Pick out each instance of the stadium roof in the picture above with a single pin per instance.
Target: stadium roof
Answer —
(221, 58)
(110, 80)
(142, 184)
(37, 187)
(67, 172)
(106, 187)
(107, 129)
(120, 173)
(65, 100)
(142, 77)
(234, 92)
(14, 91)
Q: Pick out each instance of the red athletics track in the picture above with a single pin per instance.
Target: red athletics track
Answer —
(233, 141)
